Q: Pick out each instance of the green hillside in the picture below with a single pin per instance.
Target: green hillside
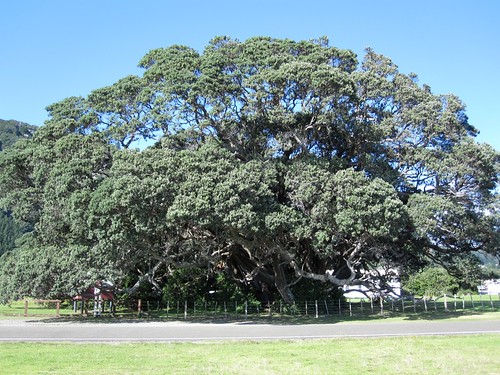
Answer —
(12, 130)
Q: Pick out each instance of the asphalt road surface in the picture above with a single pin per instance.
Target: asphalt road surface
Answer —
(39, 331)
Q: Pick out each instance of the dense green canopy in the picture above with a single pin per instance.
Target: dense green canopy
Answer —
(275, 161)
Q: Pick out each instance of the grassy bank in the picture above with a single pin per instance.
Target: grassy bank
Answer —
(410, 355)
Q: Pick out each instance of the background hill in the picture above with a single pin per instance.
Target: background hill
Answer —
(12, 130)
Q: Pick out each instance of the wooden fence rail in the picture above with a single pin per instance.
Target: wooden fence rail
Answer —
(56, 301)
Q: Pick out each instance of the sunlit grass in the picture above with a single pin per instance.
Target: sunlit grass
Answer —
(408, 355)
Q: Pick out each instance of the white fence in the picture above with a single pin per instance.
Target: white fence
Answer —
(319, 308)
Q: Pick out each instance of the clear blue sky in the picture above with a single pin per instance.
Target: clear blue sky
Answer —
(53, 49)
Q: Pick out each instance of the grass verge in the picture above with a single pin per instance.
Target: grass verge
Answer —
(477, 354)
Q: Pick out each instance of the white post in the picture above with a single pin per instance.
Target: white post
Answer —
(97, 301)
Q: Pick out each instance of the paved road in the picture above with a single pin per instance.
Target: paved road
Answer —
(11, 330)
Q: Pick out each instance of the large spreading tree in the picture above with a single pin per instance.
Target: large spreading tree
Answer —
(272, 161)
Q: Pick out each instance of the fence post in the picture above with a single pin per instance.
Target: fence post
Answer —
(381, 305)
(414, 305)
(403, 303)
(326, 307)
(185, 310)
(25, 308)
(246, 309)
(350, 307)
(371, 303)
(425, 303)
(316, 304)
(58, 306)
(340, 308)
(139, 308)
(491, 302)
(306, 308)
(471, 300)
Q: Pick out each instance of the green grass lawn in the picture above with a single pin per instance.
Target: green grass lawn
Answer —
(408, 355)
(16, 308)
(476, 354)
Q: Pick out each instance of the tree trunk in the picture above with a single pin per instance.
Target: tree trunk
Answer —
(281, 281)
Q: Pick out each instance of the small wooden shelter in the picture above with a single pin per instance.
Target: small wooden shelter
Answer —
(102, 291)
